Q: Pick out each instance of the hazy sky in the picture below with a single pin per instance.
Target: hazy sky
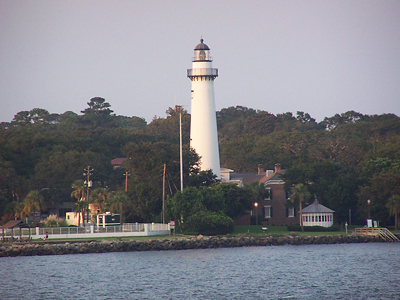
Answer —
(320, 57)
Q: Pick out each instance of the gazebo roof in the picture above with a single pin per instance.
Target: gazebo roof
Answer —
(317, 208)
(14, 224)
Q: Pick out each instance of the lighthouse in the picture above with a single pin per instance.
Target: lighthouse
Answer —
(203, 125)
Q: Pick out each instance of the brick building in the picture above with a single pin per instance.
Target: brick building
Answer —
(272, 210)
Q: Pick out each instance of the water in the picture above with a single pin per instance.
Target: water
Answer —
(343, 271)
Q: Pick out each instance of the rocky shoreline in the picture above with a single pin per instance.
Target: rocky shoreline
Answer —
(177, 244)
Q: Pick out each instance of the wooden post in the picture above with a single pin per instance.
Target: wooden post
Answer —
(126, 181)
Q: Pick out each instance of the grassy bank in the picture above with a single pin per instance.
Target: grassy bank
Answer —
(277, 230)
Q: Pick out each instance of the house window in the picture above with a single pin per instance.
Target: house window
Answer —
(267, 212)
(268, 194)
(67, 217)
(291, 212)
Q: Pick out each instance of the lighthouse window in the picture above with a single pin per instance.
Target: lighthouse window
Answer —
(202, 55)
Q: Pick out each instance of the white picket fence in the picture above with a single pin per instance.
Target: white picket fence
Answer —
(129, 229)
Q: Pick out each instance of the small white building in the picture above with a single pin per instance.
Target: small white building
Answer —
(72, 218)
(317, 215)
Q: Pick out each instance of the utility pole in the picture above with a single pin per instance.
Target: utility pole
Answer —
(179, 107)
(120, 205)
(88, 183)
(126, 180)
(180, 146)
(163, 196)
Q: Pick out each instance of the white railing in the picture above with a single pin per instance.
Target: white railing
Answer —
(202, 72)
(158, 227)
(91, 230)
(129, 227)
(61, 230)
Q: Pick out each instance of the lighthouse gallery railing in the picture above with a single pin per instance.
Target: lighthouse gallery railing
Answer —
(202, 72)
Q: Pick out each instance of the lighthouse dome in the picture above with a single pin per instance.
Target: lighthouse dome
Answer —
(201, 46)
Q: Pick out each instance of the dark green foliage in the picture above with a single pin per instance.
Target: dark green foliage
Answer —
(344, 160)
(296, 227)
(382, 181)
(333, 184)
(219, 204)
(237, 201)
(208, 223)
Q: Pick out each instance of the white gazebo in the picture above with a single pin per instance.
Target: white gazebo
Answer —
(317, 215)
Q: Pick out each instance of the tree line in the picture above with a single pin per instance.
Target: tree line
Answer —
(343, 161)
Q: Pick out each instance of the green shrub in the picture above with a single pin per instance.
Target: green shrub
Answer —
(296, 227)
(208, 223)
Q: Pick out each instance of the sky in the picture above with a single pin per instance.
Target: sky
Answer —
(316, 56)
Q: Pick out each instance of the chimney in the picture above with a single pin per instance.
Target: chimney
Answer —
(277, 168)
(260, 169)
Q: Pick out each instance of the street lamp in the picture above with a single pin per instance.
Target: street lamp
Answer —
(369, 215)
(256, 205)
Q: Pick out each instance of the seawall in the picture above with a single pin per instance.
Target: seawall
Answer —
(176, 244)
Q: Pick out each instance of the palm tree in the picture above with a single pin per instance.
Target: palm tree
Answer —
(79, 190)
(79, 194)
(299, 194)
(393, 205)
(33, 201)
(19, 211)
(259, 191)
(79, 208)
(118, 202)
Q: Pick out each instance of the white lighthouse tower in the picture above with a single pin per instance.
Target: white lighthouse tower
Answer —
(203, 126)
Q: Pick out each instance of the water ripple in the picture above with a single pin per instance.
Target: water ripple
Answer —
(345, 271)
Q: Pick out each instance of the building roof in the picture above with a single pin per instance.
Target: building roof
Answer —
(14, 224)
(201, 46)
(246, 178)
(317, 208)
(270, 176)
(225, 170)
(274, 176)
(117, 162)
